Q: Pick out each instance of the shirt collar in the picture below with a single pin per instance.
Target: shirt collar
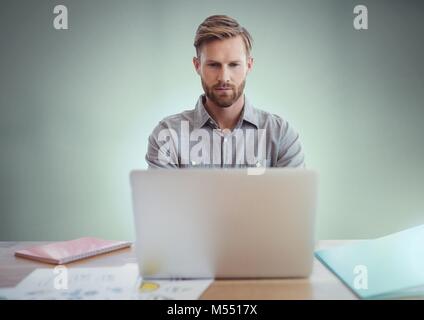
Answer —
(201, 116)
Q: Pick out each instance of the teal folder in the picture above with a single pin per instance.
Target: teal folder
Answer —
(383, 268)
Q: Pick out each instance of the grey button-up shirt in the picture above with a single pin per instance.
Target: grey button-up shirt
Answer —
(193, 139)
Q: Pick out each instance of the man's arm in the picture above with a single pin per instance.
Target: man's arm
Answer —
(290, 152)
(161, 150)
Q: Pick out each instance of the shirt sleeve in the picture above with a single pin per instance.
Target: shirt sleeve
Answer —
(290, 150)
(162, 148)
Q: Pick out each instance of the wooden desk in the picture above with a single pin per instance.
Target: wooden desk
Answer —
(322, 284)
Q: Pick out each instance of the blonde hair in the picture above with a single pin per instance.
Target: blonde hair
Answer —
(219, 27)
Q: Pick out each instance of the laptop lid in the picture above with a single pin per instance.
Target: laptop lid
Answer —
(203, 223)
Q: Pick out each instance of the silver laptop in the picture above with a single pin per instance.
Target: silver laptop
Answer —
(231, 223)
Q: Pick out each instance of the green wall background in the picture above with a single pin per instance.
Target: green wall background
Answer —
(77, 106)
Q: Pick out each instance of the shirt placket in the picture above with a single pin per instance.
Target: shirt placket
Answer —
(226, 148)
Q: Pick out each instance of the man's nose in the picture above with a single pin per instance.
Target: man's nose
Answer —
(224, 75)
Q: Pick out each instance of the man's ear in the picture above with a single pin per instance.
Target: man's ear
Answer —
(249, 64)
(196, 63)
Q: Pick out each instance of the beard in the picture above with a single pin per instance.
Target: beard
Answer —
(226, 98)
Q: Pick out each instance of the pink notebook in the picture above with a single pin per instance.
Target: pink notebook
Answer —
(68, 251)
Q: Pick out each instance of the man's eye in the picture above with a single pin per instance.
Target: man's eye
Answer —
(213, 64)
(234, 64)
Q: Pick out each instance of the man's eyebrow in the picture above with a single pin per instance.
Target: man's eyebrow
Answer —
(213, 61)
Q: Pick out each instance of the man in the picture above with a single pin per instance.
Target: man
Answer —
(224, 130)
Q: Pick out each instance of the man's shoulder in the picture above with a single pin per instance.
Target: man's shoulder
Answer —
(173, 121)
(268, 119)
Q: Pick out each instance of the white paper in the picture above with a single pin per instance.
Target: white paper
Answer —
(102, 284)
(83, 283)
(172, 289)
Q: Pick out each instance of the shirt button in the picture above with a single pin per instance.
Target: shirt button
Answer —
(193, 163)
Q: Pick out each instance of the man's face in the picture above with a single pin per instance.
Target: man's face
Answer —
(223, 66)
